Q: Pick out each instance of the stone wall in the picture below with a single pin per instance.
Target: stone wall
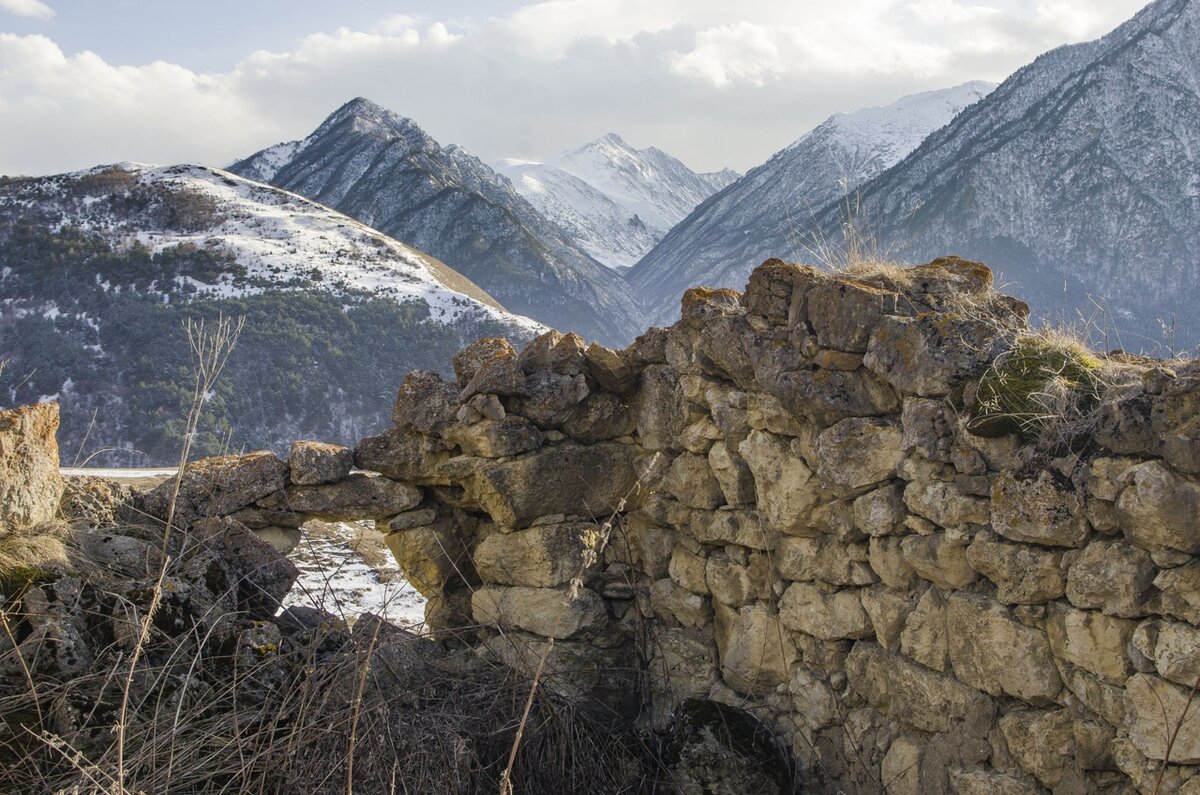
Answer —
(804, 501)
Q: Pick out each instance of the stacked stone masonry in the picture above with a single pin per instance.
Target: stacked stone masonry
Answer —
(775, 504)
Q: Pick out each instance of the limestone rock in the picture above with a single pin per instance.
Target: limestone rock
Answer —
(826, 396)
(742, 527)
(991, 651)
(880, 512)
(1176, 652)
(510, 436)
(218, 486)
(402, 455)
(829, 616)
(601, 415)
(30, 485)
(844, 313)
(425, 403)
(314, 463)
(1043, 743)
(542, 556)
(946, 504)
(1092, 641)
(887, 559)
(908, 692)
(1180, 592)
(430, 555)
(781, 480)
(610, 369)
(479, 354)
(986, 782)
(939, 558)
(357, 496)
(1038, 511)
(755, 651)
(660, 409)
(691, 481)
(1023, 575)
(410, 519)
(1112, 576)
(549, 397)
(888, 611)
(548, 612)
(1156, 707)
(924, 636)
(732, 474)
(929, 355)
(1159, 507)
(689, 569)
(673, 603)
(856, 453)
(734, 583)
(683, 664)
(256, 573)
(825, 559)
(776, 291)
(563, 479)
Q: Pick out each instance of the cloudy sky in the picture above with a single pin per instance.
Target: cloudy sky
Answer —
(714, 82)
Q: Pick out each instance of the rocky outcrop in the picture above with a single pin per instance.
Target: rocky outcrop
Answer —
(771, 507)
(30, 486)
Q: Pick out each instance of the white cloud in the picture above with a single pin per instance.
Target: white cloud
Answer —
(27, 8)
(715, 86)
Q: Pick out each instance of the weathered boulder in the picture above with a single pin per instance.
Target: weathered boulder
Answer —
(732, 474)
(30, 486)
(992, 651)
(1160, 713)
(823, 614)
(781, 481)
(1038, 510)
(610, 369)
(880, 512)
(549, 612)
(843, 313)
(661, 409)
(826, 396)
(824, 558)
(541, 557)
(931, 354)
(564, 479)
(1160, 508)
(487, 438)
(691, 481)
(924, 637)
(480, 354)
(231, 557)
(425, 403)
(906, 691)
(857, 453)
(402, 455)
(314, 463)
(1092, 641)
(357, 496)
(218, 486)
(755, 650)
(601, 415)
(734, 582)
(939, 558)
(945, 503)
(549, 397)
(1023, 575)
(1112, 576)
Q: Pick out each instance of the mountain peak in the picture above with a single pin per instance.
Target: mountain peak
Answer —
(364, 113)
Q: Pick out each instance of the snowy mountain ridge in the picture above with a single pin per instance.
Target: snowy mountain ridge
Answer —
(764, 213)
(616, 201)
(384, 170)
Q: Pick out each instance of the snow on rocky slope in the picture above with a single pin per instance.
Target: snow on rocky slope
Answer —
(614, 200)
(384, 170)
(763, 214)
(1078, 179)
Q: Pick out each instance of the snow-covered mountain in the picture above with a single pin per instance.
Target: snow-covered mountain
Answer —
(1078, 179)
(765, 213)
(614, 200)
(99, 269)
(385, 171)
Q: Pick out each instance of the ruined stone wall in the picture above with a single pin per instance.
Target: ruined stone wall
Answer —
(804, 502)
